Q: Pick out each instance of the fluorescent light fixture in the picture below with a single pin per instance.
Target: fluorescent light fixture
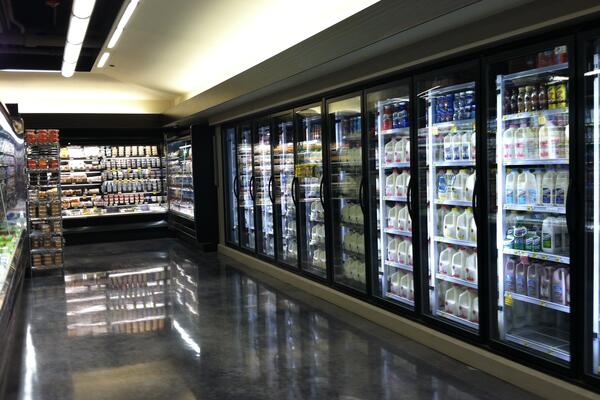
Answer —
(122, 22)
(83, 8)
(77, 29)
(592, 73)
(68, 69)
(78, 24)
(71, 54)
(103, 59)
(30, 70)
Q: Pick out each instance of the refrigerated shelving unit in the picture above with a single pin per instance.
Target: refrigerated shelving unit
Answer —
(180, 183)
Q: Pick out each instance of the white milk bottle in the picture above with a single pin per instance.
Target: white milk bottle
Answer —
(510, 187)
(395, 279)
(561, 187)
(559, 286)
(390, 184)
(403, 219)
(473, 231)
(533, 280)
(465, 304)
(470, 187)
(402, 183)
(399, 151)
(550, 233)
(556, 142)
(392, 250)
(471, 268)
(563, 231)
(442, 211)
(539, 175)
(456, 146)
(465, 151)
(448, 143)
(449, 230)
(526, 188)
(520, 142)
(445, 260)
(508, 142)
(548, 180)
(403, 252)
(407, 150)
(475, 310)
(457, 269)
(546, 283)
(458, 187)
(543, 142)
(405, 285)
(521, 278)
(451, 301)
(463, 224)
(509, 275)
(409, 253)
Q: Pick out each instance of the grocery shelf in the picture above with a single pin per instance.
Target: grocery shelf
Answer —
(536, 162)
(536, 341)
(538, 255)
(454, 163)
(460, 203)
(398, 265)
(391, 165)
(46, 250)
(536, 114)
(77, 185)
(46, 267)
(450, 124)
(535, 71)
(354, 254)
(536, 208)
(538, 302)
(400, 299)
(465, 243)
(452, 317)
(458, 281)
(399, 232)
(50, 218)
(396, 131)
(352, 225)
(395, 198)
(83, 216)
(43, 170)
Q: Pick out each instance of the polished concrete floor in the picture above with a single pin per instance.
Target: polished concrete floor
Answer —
(156, 320)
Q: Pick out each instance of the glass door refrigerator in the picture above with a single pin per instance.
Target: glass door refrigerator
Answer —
(528, 118)
(346, 187)
(285, 190)
(447, 161)
(263, 185)
(231, 182)
(591, 93)
(310, 197)
(245, 184)
(388, 128)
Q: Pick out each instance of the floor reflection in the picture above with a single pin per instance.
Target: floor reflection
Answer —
(177, 323)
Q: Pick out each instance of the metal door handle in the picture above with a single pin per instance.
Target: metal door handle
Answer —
(236, 191)
(251, 187)
(361, 187)
(294, 188)
(474, 202)
(568, 205)
(321, 192)
(270, 188)
(408, 197)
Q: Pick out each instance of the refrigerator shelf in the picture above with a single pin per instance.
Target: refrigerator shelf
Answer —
(452, 317)
(395, 198)
(532, 339)
(317, 221)
(42, 170)
(536, 114)
(546, 209)
(448, 89)
(458, 281)
(352, 225)
(354, 254)
(399, 232)
(460, 203)
(315, 243)
(400, 299)
(353, 137)
(398, 265)
(396, 165)
(536, 161)
(536, 301)
(465, 243)
(450, 124)
(535, 71)
(396, 131)
(454, 163)
(46, 250)
(538, 255)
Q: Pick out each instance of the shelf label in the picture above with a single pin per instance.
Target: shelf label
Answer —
(542, 119)
(435, 131)
(542, 303)
(508, 300)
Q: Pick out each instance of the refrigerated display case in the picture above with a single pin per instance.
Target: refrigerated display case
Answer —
(447, 159)
(263, 189)
(388, 125)
(346, 184)
(310, 199)
(180, 178)
(285, 189)
(231, 185)
(245, 187)
(529, 105)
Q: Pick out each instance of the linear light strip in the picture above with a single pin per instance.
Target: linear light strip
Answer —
(122, 22)
(78, 24)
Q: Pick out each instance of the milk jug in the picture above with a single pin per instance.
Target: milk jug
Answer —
(548, 180)
(393, 216)
(563, 231)
(392, 250)
(533, 280)
(441, 214)
(403, 218)
(409, 253)
(559, 286)
(509, 275)
(345, 210)
(473, 146)
(390, 184)
(475, 310)
(471, 268)
(556, 142)
(407, 150)
(521, 278)
(463, 225)
(546, 283)
(560, 188)
(526, 188)
(508, 142)
(456, 146)
(450, 223)
(543, 142)
(458, 264)
(473, 231)
(470, 187)
(360, 243)
(465, 304)
(395, 282)
(511, 187)
(448, 143)
(551, 236)
(445, 260)
(458, 187)
(399, 150)
(403, 247)
(566, 152)
(405, 286)
(538, 181)
(445, 183)
(525, 143)
(450, 301)
(401, 183)
(465, 146)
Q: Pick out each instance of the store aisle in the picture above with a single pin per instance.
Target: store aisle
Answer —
(156, 320)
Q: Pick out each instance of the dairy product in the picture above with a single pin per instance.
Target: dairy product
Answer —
(539, 174)
(403, 219)
(556, 142)
(448, 143)
(402, 183)
(403, 247)
(451, 301)
(475, 310)
(463, 225)
(470, 187)
(559, 286)
(445, 260)
(395, 282)
(407, 286)
(457, 191)
(409, 253)
(546, 283)
(473, 146)
(399, 150)
(407, 151)
(457, 269)
(533, 280)
(509, 275)
(552, 236)
(508, 142)
(510, 187)
(390, 184)
(465, 304)
(548, 180)
(473, 231)
(445, 183)
(561, 187)
(563, 231)
(526, 188)
(449, 230)
(457, 146)
(521, 278)
(465, 152)
(471, 268)
(392, 216)
(543, 142)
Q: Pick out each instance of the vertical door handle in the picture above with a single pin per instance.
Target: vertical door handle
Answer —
(361, 201)
(270, 188)
(474, 200)
(294, 189)
(321, 192)
(409, 197)
(569, 206)
(236, 191)
(251, 187)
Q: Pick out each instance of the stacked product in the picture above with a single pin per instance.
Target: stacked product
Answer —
(180, 178)
(44, 199)
(101, 180)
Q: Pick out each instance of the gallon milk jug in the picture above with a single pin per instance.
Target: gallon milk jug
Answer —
(521, 278)
(511, 187)
(473, 146)
(473, 230)
(345, 210)
(465, 152)
(457, 146)
(465, 304)
(475, 310)
(543, 142)
(548, 180)
(442, 211)
(407, 150)
(471, 268)
(450, 301)
(546, 283)
(445, 260)
(390, 184)
(401, 183)
(405, 284)
(526, 188)
(403, 247)
(539, 175)
(470, 187)
(445, 182)
(560, 188)
(409, 253)
(463, 225)
(556, 142)
(395, 282)
(458, 187)
(450, 224)
(360, 243)
(509, 275)
(399, 150)
(403, 219)
(392, 250)
(563, 231)
(559, 286)
(448, 142)
(549, 235)
(533, 280)
(520, 142)
(458, 264)
(508, 142)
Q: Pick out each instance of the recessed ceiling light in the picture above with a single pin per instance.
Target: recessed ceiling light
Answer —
(122, 22)
(103, 59)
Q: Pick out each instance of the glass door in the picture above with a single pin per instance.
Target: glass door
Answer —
(309, 180)
(388, 125)
(592, 194)
(447, 157)
(285, 193)
(530, 109)
(263, 184)
(231, 186)
(245, 187)
(346, 183)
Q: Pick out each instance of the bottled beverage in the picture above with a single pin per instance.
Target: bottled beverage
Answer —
(470, 187)
(392, 216)
(546, 282)
(509, 275)
(458, 187)
(389, 151)
(508, 141)
(535, 105)
(533, 280)
(465, 152)
(560, 54)
(390, 184)
(561, 95)
(551, 236)
(548, 181)
(471, 268)
(402, 183)
(458, 264)
(511, 187)
(542, 97)
(514, 101)
(449, 103)
(451, 301)
(399, 150)
(543, 140)
(448, 147)
(465, 304)
(449, 230)
(551, 93)
(521, 99)
(559, 286)
(561, 187)
(539, 175)
(521, 277)
(556, 141)
(456, 146)
(463, 225)
(387, 117)
(527, 100)
(445, 260)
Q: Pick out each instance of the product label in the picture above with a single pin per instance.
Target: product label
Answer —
(466, 151)
(456, 151)
(532, 195)
(546, 240)
(559, 196)
(510, 196)
(448, 152)
(521, 197)
(546, 196)
(520, 284)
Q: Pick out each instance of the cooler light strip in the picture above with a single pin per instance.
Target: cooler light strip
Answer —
(596, 221)
(382, 207)
(500, 200)
(432, 246)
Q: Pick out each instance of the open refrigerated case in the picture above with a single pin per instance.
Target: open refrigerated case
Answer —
(180, 181)
(447, 156)
(529, 106)
(263, 189)
(388, 125)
